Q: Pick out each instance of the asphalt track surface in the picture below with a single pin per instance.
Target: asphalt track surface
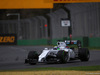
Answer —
(12, 58)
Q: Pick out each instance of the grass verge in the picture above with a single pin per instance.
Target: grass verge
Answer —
(81, 68)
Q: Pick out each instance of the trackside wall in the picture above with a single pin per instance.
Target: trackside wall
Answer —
(94, 42)
(86, 42)
(33, 42)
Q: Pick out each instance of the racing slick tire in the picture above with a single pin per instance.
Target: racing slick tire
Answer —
(84, 54)
(32, 57)
(26, 61)
(63, 56)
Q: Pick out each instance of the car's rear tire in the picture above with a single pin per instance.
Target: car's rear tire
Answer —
(33, 55)
(26, 61)
(84, 54)
(63, 56)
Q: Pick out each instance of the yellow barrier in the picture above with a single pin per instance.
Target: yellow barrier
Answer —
(28, 4)
(21, 4)
(52, 73)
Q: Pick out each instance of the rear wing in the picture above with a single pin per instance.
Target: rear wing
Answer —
(73, 42)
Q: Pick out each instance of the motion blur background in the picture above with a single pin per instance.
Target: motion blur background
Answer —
(43, 26)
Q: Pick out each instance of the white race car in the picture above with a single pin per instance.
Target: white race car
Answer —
(59, 54)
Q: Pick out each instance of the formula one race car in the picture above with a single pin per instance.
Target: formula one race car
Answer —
(59, 54)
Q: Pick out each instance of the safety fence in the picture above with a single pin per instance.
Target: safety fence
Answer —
(85, 19)
(47, 29)
(39, 27)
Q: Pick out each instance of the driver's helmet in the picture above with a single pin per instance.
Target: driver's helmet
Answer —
(55, 47)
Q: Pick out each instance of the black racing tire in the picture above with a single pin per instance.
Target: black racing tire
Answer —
(26, 61)
(84, 54)
(32, 55)
(63, 56)
(32, 63)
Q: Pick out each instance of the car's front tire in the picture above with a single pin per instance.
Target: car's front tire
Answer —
(32, 57)
(63, 56)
